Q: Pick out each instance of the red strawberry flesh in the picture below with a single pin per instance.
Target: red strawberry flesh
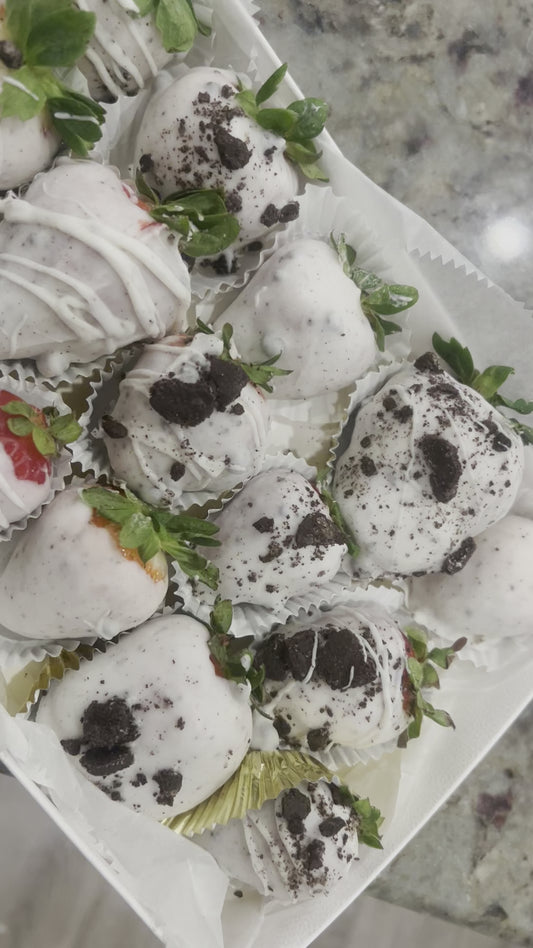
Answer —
(28, 463)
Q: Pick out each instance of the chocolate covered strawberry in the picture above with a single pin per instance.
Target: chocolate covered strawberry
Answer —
(94, 564)
(37, 110)
(349, 677)
(30, 439)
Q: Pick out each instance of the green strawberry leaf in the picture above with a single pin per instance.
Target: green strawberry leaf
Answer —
(231, 655)
(302, 121)
(335, 514)
(20, 426)
(44, 441)
(146, 6)
(177, 23)
(57, 39)
(421, 674)
(311, 119)
(50, 431)
(22, 94)
(77, 119)
(271, 85)
(378, 299)
(487, 383)
(148, 530)
(259, 373)
(200, 216)
(369, 817)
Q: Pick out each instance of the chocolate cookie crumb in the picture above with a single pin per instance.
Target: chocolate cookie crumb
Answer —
(270, 216)
(295, 805)
(228, 379)
(169, 783)
(108, 723)
(342, 661)
(314, 855)
(146, 163)
(113, 428)
(368, 468)
(183, 403)
(318, 738)
(290, 212)
(71, 746)
(316, 529)
(103, 761)
(139, 780)
(299, 650)
(272, 654)
(264, 525)
(442, 458)
(428, 362)
(234, 153)
(459, 558)
(177, 471)
(331, 826)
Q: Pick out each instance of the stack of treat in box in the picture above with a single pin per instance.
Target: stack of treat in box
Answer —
(219, 452)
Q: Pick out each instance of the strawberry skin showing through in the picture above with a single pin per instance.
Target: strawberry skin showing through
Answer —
(28, 463)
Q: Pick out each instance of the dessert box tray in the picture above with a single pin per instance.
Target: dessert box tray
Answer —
(177, 889)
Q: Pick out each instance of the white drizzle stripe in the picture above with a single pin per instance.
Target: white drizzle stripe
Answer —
(116, 248)
(64, 304)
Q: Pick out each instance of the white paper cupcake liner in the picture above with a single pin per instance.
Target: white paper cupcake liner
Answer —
(40, 397)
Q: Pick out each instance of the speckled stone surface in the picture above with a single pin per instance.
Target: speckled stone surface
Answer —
(434, 102)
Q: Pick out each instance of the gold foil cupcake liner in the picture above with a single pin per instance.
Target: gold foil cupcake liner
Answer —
(261, 776)
(24, 687)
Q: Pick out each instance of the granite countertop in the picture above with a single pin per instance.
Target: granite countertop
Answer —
(434, 102)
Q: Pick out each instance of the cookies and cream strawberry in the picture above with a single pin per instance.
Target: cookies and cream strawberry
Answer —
(149, 721)
(37, 111)
(470, 602)
(293, 848)
(84, 269)
(430, 465)
(187, 419)
(341, 678)
(277, 541)
(302, 306)
(69, 577)
(125, 51)
(194, 134)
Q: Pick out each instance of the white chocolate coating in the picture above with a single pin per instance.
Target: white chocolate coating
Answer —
(124, 51)
(262, 557)
(491, 599)
(84, 269)
(18, 497)
(430, 465)
(225, 449)
(341, 679)
(25, 149)
(175, 154)
(302, 305)
(188, 719)
(261, 851)
(67, 578)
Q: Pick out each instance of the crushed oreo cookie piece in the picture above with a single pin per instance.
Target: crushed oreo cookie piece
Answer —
(331, 826)
(455, 562)
(177, 471)
(108, 723)
(428, 362)
(113, 428)
(169, 783)
(316, 529)
(270, 216)
(233, 152)
(104, 761)
(442, 458)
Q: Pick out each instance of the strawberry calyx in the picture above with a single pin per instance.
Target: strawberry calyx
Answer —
(421, 673)
(31, 436)
(230, 655)
(144, 530)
